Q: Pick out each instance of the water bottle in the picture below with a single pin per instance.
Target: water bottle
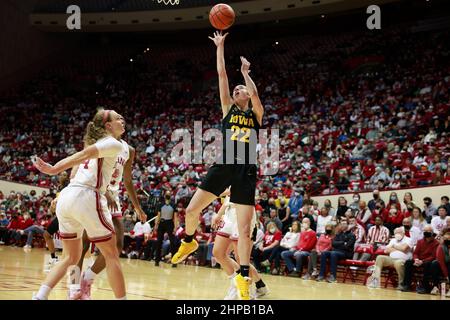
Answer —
(443, 289)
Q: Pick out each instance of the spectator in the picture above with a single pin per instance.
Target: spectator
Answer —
(342, 207)
(357, 230)
(322, 220)
(429, 209)
(408, 201)
(363, 215)
(274, 218)
(423, 256)
(294, 204)
(306, 213)
(331, 210)
(331, 189)
(141, 233)
(37, 228)
(376, 199)
(26, 222)
(302, 250)
(3, 227)
(128, 226)
(445, 203)
(417, 219)
(343, 245)
(286, 219)
(441, 266)
(207, 218)
(393, 217)
(289, 241)
(376, 236)
(438, 223)
(271, 240)
(183, 193)
(399, 250)
(323, 244)
(355, 204)
(411, 232)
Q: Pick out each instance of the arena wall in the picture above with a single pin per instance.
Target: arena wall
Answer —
(7, 186)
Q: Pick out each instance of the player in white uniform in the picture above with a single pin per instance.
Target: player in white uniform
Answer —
(226, 241)
(123, 167)
(82, 204)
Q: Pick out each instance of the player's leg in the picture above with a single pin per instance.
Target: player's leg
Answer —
(113, 268)
(244, 217)
(99, 265)
(219, 177)
(199, 201)
(261, 288)
(72, 250)
(48, 237)
(220, 252)
(86, 245)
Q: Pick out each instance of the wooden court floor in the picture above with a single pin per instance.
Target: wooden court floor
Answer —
(21, 274)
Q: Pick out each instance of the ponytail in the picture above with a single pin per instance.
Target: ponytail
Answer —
(96, 128)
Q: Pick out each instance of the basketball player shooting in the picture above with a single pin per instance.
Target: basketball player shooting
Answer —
(240, 125)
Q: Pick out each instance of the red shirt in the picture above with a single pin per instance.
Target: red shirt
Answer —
(307, 241)
(426, 251)
(271, 238)
(368, 171)
(440, 256)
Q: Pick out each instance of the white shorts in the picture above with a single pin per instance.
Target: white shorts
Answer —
(80, 208)
(228, 226)
(118, 213)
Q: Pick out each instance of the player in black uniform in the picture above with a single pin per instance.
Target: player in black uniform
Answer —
(240, 125)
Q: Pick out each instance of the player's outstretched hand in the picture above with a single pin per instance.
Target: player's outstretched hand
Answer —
(215, 220)
(245, 67)
(43, 166)
(219, 38)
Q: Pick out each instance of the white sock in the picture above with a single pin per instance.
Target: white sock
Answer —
(123, 298)
(233, 275)
(89, 274)
(43, 292)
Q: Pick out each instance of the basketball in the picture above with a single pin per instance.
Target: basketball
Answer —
(221, 16)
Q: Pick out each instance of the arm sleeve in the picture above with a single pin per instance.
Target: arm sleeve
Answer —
(108, 148)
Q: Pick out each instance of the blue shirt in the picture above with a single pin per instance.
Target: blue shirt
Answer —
(295, 203)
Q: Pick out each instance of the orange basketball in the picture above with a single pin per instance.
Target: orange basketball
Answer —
(221, 16)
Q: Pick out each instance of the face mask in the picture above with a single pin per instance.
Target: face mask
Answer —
(407, 228)
(393, 198)
(272, 230)
(398, 237)
(167, 197)
(356, 199)
(328, 231)
(376, 196)
(305, 225)
(427, 234)
(427, 203)
(327, 205)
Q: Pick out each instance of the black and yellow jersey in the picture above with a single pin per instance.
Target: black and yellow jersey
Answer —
(240, 130)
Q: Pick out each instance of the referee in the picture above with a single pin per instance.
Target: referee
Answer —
(166, 222)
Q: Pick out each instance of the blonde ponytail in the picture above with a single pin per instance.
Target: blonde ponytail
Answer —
(96, 128)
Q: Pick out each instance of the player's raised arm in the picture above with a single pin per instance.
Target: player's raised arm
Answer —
(224, 89)
(257, 106)
(108, 148)
(128, 181)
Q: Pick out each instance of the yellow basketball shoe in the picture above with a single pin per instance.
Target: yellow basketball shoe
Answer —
(243, 286)
(186, 248)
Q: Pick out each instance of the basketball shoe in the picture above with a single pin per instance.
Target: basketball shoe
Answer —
(186, 248)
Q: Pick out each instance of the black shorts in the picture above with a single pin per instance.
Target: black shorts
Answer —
(241, 178)
(53, 227)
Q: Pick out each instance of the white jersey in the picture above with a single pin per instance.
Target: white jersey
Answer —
(228, 226)
(96, 173)
(117, 174)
